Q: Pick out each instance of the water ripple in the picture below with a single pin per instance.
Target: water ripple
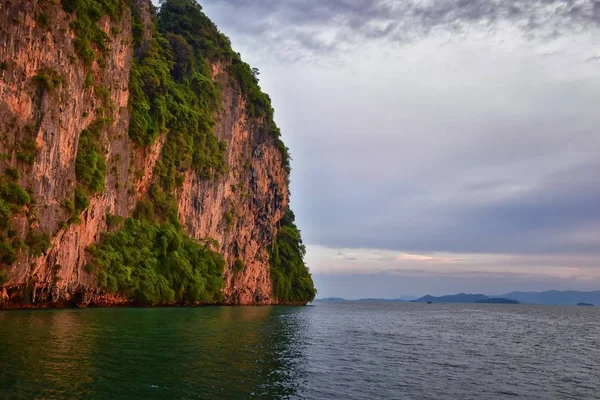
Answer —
(350, 351)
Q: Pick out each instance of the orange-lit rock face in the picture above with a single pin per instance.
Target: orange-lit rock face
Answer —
(252, 194)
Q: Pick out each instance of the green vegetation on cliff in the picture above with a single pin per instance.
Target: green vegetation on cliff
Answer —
(292, 282)
(15, 200)
(91, 43)
(149, 258)
(12, 200)
(172, 92)
(90, 165)
(171, 87)
(155, 263)
(88, 13)
(90, 169)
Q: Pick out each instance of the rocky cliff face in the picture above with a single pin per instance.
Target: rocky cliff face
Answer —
(48, 96)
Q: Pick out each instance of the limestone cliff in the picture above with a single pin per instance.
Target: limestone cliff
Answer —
(52, 93)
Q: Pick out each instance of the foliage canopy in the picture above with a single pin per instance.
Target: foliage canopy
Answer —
(155, 263)
(292, 282)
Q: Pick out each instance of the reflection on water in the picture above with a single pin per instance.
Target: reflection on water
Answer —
(149, 353)
(42, 354)
(327, 351)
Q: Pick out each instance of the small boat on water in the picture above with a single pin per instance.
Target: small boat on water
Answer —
(429, 302)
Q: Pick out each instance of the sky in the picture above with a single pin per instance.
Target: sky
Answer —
(438, 146)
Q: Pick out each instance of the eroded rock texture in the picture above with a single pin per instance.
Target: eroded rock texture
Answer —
(239, 209)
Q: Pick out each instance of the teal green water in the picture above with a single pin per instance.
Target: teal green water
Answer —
(325, 351)
(146, 353)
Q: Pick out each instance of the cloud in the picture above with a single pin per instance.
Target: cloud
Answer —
(346, 256)
(475, 273)
(307, 29)
(413, 257)
(417, 283)
(323, 259)
(552, 217)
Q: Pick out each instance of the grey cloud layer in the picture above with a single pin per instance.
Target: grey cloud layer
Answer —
(527, 187)
(555, 217)
(299, 29)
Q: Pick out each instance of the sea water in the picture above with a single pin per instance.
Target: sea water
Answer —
(322, 351)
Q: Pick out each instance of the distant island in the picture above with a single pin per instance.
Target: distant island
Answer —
(568, 297)
(456, 298)
(464, 298)
(550, 297)
(453, 298)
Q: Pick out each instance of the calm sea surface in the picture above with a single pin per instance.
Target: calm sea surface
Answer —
(342, 351)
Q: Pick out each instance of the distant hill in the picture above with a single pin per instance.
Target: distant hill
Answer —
(497, 300)
(454, 298)
(585, 304)
(555, 297)
(570, 297)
